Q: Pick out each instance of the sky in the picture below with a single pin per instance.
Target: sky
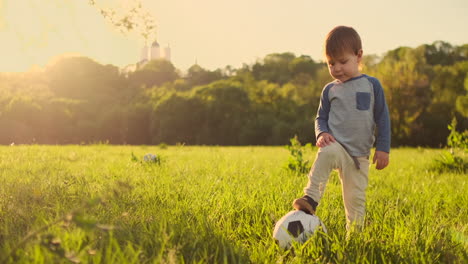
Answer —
(217, 33)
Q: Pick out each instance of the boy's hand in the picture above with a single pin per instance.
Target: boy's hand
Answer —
(382, 159)
(325, 139)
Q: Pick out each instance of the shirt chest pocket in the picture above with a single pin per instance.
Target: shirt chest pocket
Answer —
(363, 100)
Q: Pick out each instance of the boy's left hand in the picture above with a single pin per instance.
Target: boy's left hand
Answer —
(382, 159)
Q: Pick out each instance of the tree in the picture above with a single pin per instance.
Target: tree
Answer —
(404, 76)
(462, 100)
(84, 79)
(154, 73)
(196, 75)
(127, 19)
(101, 95)
(303, 65)
(274, 68)
(440, 53)
(177, 119)
(19, 119)
(226, 107)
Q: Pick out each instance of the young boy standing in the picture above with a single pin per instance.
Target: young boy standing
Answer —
(351, 108)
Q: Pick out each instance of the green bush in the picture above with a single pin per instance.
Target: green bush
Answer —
(452, 160)
(296, 161)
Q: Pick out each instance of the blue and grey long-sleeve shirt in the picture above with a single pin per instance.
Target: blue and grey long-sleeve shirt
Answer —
(351, 111)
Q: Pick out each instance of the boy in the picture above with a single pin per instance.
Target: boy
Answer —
(350, 109)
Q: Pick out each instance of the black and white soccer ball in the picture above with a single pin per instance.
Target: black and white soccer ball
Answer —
(151, 158)
(296, 226)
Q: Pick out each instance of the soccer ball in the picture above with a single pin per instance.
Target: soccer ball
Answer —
(296, 226)
(151, 158)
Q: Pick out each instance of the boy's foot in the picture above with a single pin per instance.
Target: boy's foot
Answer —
(306, 204)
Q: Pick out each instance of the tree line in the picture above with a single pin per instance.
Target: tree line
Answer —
(79, 101)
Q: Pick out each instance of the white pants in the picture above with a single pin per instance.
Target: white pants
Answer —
(353, 181)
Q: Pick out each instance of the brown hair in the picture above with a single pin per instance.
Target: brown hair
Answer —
(342, 39)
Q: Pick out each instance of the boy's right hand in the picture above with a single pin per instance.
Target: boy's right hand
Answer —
(325, 139)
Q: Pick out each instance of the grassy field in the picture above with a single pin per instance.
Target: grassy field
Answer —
(102, 204)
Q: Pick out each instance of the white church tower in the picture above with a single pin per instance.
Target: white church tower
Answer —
(155, 51)
(167, 53)
(147, 54)
(144, 54)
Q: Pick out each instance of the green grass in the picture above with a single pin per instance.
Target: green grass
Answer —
(97, 204)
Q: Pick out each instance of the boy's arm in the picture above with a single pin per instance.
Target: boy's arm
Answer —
(381, 118)
(382, 121)
(382, 159)
(321, 121)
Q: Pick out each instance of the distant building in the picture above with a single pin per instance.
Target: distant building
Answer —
(144, 53)
(148, 54)
(155, 51)
(167, 53)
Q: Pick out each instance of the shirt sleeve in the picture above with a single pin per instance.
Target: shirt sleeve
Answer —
(381, 118)
(321, 121)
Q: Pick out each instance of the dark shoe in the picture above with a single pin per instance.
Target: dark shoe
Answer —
(306, 204)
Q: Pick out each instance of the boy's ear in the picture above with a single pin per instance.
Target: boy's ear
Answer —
(359, 55)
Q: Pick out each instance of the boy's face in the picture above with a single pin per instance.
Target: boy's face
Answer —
(345, 67)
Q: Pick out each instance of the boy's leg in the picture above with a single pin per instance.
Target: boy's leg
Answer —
(354, 183)
(325, 161)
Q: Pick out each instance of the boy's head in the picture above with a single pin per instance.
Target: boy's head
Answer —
(341, 40)
(343, 50)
